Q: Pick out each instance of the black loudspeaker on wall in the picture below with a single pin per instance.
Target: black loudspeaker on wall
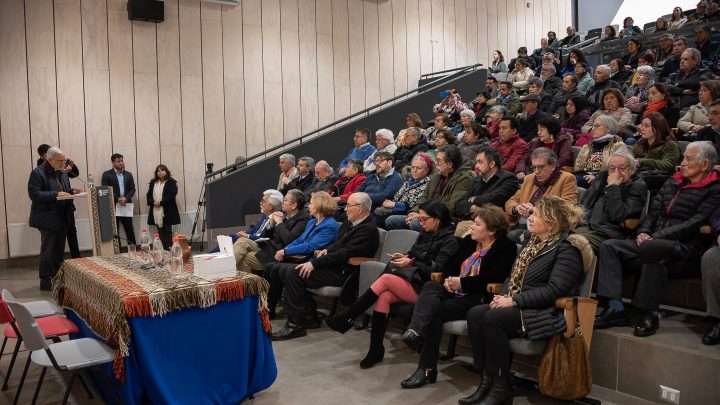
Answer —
(146, 10)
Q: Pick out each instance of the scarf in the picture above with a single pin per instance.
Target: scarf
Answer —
(158, 212)
(542, 186)
(654, 107)
(529, 252)
(471, 266)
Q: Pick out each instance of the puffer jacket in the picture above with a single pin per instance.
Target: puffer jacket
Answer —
(432, 252)
(611, 205)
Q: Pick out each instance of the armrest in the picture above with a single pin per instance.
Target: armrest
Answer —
(356, 261)
(705, 230)
(582, 316)
(494, 288)
(567, 302)
(630, 223)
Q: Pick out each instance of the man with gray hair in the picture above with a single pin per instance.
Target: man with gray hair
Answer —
(669, 234)
(324, 179)
(271, 203)
(615, 196)
(685, 83)
(384, 142)
(360, 152)
(358, 237)
(288, 172)
(603, 82)
(305, 176)
(664, 49)
(47, 183)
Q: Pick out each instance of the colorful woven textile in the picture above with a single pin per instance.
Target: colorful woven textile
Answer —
(106, 290)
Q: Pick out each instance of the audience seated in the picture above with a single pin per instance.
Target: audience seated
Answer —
(474, 139)
(696, 117)
(659, 101)
(494, 116)
(384, 183)
(358, 237)
(664, 49)
(594, 156)
(569, 89)
(618, 71)
(449, 182)
(451, 104)
(348, 183)
(305, 176)
(700, 14)
(685, 83)
(526, 304)
(645, 59)
(410, 192)
(320, 231)
(520, 75)
(491, 85)
(444, 137)
(661, 24)
(656, 152)
(711, 284)
(539, 53)
(491, 185)
(508, 99)
(609, 34)
(713, 12)
(711, 133)
(548, 136)
(498, 64)
(270, 203)
(535, 87)
(612, 106)
(677, 19)
(509, 144)
(574, 57)
(528, 119)
(414, 143)
(670, 233)
(672, 63)
(486, 248)
(361, 151)
(616, 194)
(522, 55)
(636, 95)
(602, 82)
(480, 106)
(571, 39)
(404, 278)
(629, 28)
(575, 117)
(585, 80)
(324, 179)
(442, 120)
(548, 73)
(288, 172)
(412, 120)
(466, 117)
(703, 44)
(384, 142)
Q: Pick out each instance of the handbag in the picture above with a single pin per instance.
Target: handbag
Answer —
(565, 371)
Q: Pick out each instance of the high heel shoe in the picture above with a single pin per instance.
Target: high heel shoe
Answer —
(420, 377)
(481, 390)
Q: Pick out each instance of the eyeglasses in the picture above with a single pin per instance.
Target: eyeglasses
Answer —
(379, 160)
(617, 168)
(351, 205)
(423, 219)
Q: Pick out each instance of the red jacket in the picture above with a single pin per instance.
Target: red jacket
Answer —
(352, 185)
(513, 152)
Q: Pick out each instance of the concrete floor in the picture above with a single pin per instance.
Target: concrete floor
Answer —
(321, 368)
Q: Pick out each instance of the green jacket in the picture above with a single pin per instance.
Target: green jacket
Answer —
(457, 186)
(662, 157)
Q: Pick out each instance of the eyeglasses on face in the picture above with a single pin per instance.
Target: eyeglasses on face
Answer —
(540, 167)
(422, 219)
(351, 205)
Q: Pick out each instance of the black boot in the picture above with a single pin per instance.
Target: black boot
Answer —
(420, 377)
(377, 334)
(343, 322)
(501, 392)
(481, 390)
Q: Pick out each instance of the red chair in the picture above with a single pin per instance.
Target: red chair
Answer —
(52, 328)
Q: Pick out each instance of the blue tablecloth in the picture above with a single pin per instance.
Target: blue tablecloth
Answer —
(216, 355)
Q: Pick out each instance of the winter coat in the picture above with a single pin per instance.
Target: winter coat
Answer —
(662, 157)
(501, 186)
(513, 151)
(432, 252)
(610, 205)
(171, 215)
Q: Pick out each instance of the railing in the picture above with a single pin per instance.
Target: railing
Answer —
(242, 163)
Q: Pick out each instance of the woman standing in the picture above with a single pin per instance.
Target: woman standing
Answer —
(405, 275)
(548, 268)
(161, 194)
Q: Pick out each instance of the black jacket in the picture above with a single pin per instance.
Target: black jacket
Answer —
(557, 106)
(281, 235)
(680, 81)
(303, 184)
(709, 134)
(670, 112)
(46, 212)
(109, 178)
(610, 205)
(432, 253)
(495, 266)
(595, 95)
(497, 191)
(528, 126)
(404, 155)
(554, 273)
(353, 241)
(171, 215)
(321, 185)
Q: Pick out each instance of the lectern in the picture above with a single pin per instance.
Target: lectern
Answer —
(103, 228)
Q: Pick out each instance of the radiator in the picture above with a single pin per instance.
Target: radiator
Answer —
(25, 241)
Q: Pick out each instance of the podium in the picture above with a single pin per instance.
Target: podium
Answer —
(103, 227)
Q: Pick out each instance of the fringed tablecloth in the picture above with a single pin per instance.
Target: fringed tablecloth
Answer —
(106, 290)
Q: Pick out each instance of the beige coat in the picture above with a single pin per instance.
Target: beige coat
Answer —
(613, 146)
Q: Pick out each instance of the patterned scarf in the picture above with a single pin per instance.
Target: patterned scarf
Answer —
(529, 252)
(543, 186)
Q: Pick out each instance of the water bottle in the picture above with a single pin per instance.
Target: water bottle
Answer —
(90, 180)
(176, 249)
(176, 260)
(157, 250)
(144, 241)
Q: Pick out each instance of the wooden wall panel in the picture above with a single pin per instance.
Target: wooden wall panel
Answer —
(41, 72)
(289, 35)
(438, 36)
(449, 33)
(483, 43)
(493, 36)
(425, 28)
(233, 73)
(254, 76)
(472, 31)
(511, 28)
(372, 56)
(554, 17)
(169, 106)
(272, 71)
(385, 37)
(540, 31)
(400, 48)
(308, 39)
(357, 57)
(213, 91)
(332, 61)
(461, 34)
(191, 98)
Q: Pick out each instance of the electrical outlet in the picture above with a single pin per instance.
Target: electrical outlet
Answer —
(669, 395)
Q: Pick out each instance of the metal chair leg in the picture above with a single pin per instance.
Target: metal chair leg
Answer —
(451, 348)
(39, 384)
(2, 351)
(22, 380)
(12, 363)
(82, 375)
(109, 384)
(69, 387)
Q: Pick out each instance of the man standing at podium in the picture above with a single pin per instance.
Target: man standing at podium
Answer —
(51, 216)
(123, 186)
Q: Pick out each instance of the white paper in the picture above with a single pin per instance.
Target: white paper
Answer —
(124, 211)
(73, 196)
(225, 244)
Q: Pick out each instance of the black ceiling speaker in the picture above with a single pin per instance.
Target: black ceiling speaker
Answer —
(146, 10)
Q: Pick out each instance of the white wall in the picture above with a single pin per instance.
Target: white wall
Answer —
(596, 14)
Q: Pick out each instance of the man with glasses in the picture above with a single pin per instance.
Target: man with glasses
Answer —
(615, 195)
(361, 151)
(384, 183)
(358, 237)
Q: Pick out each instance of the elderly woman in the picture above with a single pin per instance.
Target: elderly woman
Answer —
(466, 117)
(384, 142)
(656, 152)
(414, 143)
(549, 137)
(612, 106)
(659, 101)
(696, 117)
(444, 137)
(637, 93)
(576, 115)
(594, 156)
(475, 138)
(485, 256)
(320, 232)
(410, 192)
(549, 267)
(346, 185)
(412, 120)
(442, 120)
(493, 121)
(404, 277)
(520, 75)
(498, 63)
(618, 71)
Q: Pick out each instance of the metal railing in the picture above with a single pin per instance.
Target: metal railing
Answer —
(242, 164)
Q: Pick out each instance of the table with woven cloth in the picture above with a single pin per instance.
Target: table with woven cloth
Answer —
(177, 340)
